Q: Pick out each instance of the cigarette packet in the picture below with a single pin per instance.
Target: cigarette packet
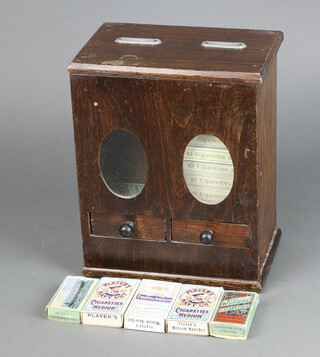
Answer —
(234, 316)
(150, 307)
(193, 309)
(109, 301)
(67, 303)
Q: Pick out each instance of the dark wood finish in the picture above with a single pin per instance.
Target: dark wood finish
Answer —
(267, 143)
(165, 115)
(225, 234)
(265, 267)
(233, 284)
(180, 55)
(187, 109)
(143, 227)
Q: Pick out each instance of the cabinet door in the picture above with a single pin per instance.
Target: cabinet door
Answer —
(212, 128)
(118, 176)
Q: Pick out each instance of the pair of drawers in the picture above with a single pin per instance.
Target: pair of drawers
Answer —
(157, 229)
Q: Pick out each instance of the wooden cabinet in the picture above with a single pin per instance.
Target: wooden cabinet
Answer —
(175, 133)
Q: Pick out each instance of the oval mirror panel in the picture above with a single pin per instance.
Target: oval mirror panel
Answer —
(123, 163)
(208, 169)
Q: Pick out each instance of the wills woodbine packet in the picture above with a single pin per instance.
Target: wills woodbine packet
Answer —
(70, 298)
(109, 301)
(193, 309)
(234, 316)
(150, 306)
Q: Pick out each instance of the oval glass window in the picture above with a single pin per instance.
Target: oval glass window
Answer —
(123, 163)
(208, 169)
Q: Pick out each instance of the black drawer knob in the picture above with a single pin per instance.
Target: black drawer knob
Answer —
(206, 237)
(126, 229)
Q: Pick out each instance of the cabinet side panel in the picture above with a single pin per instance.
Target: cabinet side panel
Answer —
(267, 112)
(77, 96)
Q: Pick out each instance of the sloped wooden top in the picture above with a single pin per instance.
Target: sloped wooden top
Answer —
(180, 55)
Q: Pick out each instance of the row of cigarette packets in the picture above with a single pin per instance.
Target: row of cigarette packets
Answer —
(153, 305)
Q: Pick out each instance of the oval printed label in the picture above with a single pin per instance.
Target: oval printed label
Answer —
(114, 290)
(197, 297)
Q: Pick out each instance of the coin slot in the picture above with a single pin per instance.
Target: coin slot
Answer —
(138, 41)
(221, 44)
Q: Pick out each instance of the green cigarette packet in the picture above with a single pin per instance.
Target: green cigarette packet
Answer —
(234, 315)
(67, 303)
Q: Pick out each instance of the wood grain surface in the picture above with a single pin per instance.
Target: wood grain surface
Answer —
(143, 227)
(165, 115)
(180, 54)
(224, 234)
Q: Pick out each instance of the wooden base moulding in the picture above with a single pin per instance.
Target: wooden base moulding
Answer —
(235, 284)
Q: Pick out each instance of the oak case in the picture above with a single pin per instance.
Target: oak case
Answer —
(165, 96)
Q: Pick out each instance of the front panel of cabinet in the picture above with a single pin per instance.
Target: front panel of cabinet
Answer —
(165, 116)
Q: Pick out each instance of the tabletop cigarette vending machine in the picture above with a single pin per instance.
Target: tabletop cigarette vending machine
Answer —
(175, 135)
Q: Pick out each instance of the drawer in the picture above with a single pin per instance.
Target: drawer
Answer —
(142, 227)
(223, 234)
